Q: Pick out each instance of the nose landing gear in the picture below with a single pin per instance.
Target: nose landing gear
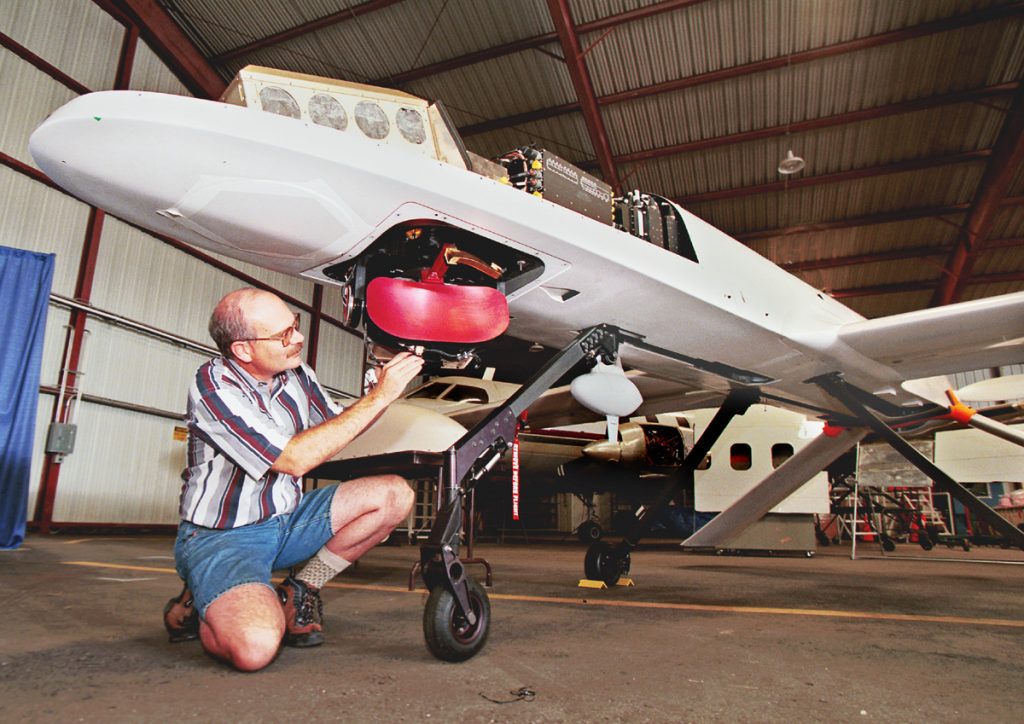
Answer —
(449, 633)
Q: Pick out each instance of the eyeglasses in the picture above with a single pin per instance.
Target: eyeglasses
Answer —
(284, 336)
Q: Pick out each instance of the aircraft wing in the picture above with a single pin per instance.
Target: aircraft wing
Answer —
(955, 338)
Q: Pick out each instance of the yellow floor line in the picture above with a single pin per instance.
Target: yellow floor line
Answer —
(704, 608)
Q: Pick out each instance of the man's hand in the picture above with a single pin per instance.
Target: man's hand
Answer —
(311, 447)
(395, 376)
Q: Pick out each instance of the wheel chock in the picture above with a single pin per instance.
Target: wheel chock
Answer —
(588, 583)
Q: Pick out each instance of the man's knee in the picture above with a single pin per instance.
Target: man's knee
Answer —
(402, 496)
(244, 626)
(248, 649)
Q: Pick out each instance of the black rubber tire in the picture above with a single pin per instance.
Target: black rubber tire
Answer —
(448, 636)
(604, 563)
(589, 531)
(433, 576)
(888, 545)
(925, 541)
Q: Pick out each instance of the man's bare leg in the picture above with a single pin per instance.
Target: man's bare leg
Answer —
(244, 627)
(365, 511)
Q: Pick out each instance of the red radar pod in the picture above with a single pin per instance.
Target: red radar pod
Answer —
(434, 312)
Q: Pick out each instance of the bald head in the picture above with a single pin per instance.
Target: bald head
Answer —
(233, 317)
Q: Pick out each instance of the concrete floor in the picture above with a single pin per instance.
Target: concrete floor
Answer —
(912, 637)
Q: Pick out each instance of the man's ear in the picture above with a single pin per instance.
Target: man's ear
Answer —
(242, 350)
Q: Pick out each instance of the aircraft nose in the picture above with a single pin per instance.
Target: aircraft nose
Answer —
(604, 450)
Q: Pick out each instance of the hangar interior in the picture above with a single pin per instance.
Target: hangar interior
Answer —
(873, 149)
(907, 118)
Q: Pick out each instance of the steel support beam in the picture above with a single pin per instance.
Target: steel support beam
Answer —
(561, 16)
(28, 56)
(169, 42)
(1006, 162)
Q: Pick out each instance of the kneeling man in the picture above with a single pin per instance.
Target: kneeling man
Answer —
(258, 421)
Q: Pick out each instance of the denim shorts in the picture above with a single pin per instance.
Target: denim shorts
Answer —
(214, 561)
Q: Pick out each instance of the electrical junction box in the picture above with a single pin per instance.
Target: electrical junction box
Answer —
(60, 439)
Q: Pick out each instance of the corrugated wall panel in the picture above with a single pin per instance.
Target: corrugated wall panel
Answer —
(340, 360)
(73, 35)
(292, 286)
(1009, 223)
(980, 291)
(121, 364)
(151, 282)
(500, 87)
(150, 74)
(29, 97)
(38, 218)
(56, 333)
(998, 261)
(125, 469)
(43, 415)
(332, 304)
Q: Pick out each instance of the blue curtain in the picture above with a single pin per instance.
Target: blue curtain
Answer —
(25, 279)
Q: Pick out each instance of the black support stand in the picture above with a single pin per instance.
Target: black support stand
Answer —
(843, 392)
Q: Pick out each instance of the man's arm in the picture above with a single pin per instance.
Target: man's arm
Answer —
(318, 444)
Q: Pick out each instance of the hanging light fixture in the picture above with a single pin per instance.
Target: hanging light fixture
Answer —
(791, 164)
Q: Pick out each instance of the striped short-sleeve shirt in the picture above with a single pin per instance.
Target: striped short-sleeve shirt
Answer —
(237, 428)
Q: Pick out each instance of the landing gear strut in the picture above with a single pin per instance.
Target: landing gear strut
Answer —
(457, 618)
(606, 563)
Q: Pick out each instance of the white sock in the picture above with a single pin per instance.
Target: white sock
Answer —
(321, 568)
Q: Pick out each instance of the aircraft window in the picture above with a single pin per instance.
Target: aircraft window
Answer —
(781, 452)
(326, 111)
(371, 120)
(465, 393)
(739, 456)
(276, 100)
(410, 125)
(432, 391)
(981, 490)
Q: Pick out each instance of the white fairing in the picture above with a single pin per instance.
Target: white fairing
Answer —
(405, 427)
(607, 391)
(297, 198)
